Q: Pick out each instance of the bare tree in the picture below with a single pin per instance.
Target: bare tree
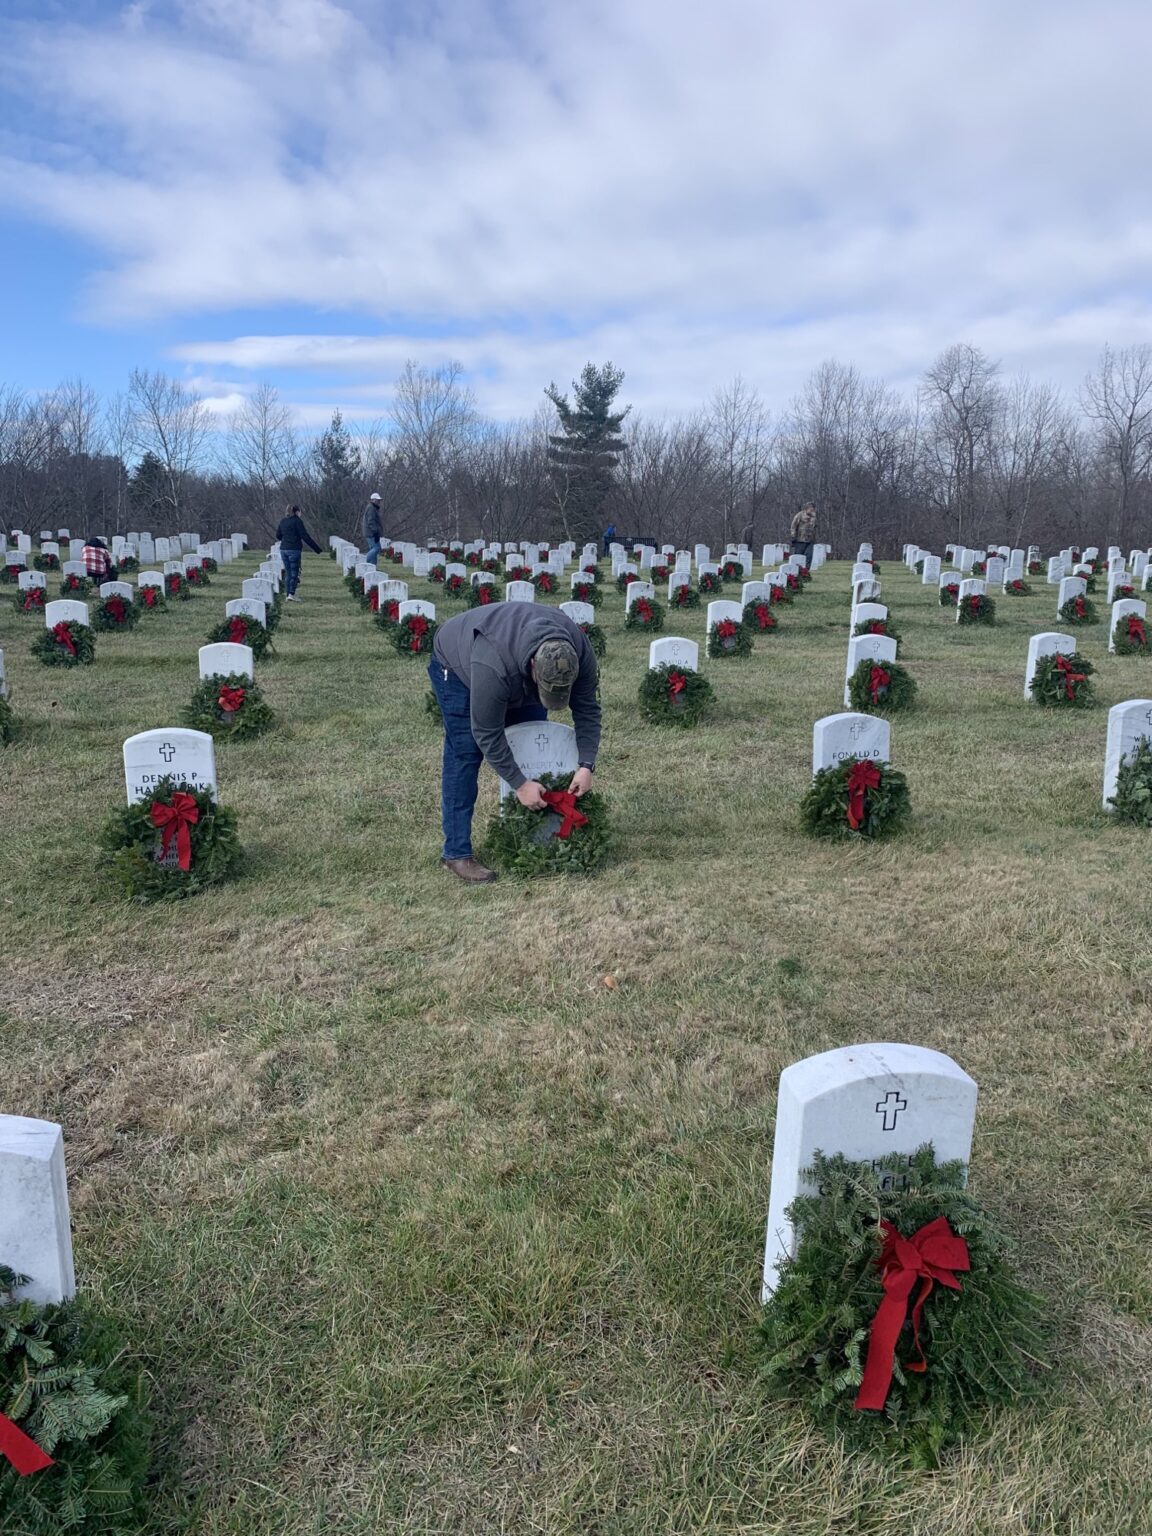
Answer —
(1118, 398)
(963, 402)
(434, 414)
(173, 424)
(741, 443)
(263, 453)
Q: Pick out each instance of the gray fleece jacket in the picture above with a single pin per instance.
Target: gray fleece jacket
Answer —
(488, 650)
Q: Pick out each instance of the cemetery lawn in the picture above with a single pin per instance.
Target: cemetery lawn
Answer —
(433, 1209)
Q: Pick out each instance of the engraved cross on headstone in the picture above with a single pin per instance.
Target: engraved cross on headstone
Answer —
(542, 741)
(167, 751)
(856, 730)
(890, 1106)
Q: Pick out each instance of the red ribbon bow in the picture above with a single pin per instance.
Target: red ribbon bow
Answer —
(878, 681)
(149, 596)
(929, 1256)
(33, 598)
(1064, 667)
(237, 630)
(173, 821)
(862, 777)
(63, 636)
(417, 628)
(1136, 629)
(115, 606)
(564, 801)
(764, 615)
(230, 699)
(22, 1451)
(677, 683)
(726, 629)
(643, 607)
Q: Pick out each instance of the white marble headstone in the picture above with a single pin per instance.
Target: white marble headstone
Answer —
(65, 610)
(541, 746)
(27, 579)
(1050, 643)
(1127, 723)
(635, 590)
(864, 1102)
(579, 613)
(1121, 610)
(845, 735)
(520, 592)
(246, 608)
(188, 756)
(411, 606)
(117, 589)
(224, 658)
(673, 651)
(867, 648)
(35, 1230)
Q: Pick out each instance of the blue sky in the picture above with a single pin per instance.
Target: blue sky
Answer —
(314, 191)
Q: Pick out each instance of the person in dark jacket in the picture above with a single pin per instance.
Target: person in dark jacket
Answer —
(499, 666)
(293, 536)
(373, 527)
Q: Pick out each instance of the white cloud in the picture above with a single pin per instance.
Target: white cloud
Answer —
(747, 186)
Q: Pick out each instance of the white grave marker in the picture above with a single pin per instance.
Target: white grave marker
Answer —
(1127, 723)
(35, 1232)
(224, 658)
(837, 737)
(541, 746)
(187, 756)
(672, 651)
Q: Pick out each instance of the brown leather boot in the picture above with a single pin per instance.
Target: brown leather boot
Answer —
(469, 870)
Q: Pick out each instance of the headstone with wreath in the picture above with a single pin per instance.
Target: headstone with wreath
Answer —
(35, 1229)
(1128, 757)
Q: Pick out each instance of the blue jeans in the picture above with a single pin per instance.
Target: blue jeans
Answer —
(462, 757)
(373, 552)
(291, 559)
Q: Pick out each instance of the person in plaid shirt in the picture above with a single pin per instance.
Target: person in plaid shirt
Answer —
(97, 560)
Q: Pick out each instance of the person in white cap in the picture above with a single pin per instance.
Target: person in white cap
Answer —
(373, 527)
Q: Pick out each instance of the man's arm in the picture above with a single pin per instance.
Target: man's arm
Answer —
(309, 540)
(489, 712)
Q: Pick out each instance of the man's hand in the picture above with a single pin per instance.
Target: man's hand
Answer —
(581, 782)
(531, 794)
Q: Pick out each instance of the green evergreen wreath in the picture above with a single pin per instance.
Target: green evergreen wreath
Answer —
(7, 722)
(75, 586)
(674, 695)
(523, 842)
(197, 576)
(67, 1383)
(31, 600)
(728, 638)
(209, 564)
(175, 586)
(432, 707)
(587, 592)
(456, 586)
(436, 572)
(1017, 588)
(977, 608)
(545, 583)
(1078, 610)
(894, 690)
(415, 635)
(206, 709)
(758, 618)
(880, 627)
(1130, 635)
(1035, 567)
(984, 1343)
(1066, 687)
(44, 562)
(115, 613)
(388, 612)
(825, 808)
(130, 843)
(354, 586)
(51, 648)
(1121, 592)
(684, 597)
(127, 565)
(949, 594)
(625, 580)
(491, 594)
(242, 629)
(645, 613)
(710, 584)
(151, 599)
(10, 574)
(1133, 797)
(596, 639)
(732, 570)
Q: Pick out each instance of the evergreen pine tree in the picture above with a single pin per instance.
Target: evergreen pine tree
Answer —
(148, 484)
(583, 455)
(337, 461)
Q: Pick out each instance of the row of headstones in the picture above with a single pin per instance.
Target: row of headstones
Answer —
(868, 1103)
(143, 546)
(1001, 570)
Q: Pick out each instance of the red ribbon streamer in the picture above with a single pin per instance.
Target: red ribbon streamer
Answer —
(641, 606)
(115, 606)
(22, 1451)
(231, 699)
(173, 821)
(677, 683)
(1136, 629)
(878, 681)
(417, 628)
(63, 636)
(149, 596)
(1064, 667)
(564, 801)
(862, 777)
(926, 1258)
(726, 629)
(764, 615)
(237, 630)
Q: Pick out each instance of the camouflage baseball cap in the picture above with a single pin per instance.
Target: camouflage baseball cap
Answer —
(556, 669)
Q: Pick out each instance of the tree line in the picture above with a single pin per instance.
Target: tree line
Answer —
(970, 455)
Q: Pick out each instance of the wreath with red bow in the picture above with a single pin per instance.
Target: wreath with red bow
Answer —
(857, 797)
(949, 594)
(1063, 682)
(728, 638)
(387, 611)
(436, 573)
(75, 586)
(414, 635)
(115, 613)
(518, 573)
(758, 617)
(1121, 593)
(483, 594)
(1132, 801)
(1130, 635)
(881, 688)
(1017, 588)
(587, 592)
(176, 586)
(596, 639)
(976, 608)
(9, 574)
(572, 837)
(660, 572)
(231, 706)
(456, 586)
(209, 565)
(66, 644)
(170, 844)
(710, 583)
(43, 562)
(645, 613)
(880, 627)
(625, 580)
(732, 570)
(684, 596)
(30, 600)
(544, 582)
(1078, 610)
(881, 1318)
(1035, 567)
(243, 629)
(151, 599)
(127, 565)
(197, 576)
(674, 695)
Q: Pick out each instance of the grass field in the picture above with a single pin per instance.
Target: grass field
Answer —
(438, 1210)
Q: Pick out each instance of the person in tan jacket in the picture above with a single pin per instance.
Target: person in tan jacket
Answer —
(803, 530)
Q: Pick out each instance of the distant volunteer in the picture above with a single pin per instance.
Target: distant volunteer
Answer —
(803, 530)
(97, 561)
(373, 525)
(499, 666)
(293, 536)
